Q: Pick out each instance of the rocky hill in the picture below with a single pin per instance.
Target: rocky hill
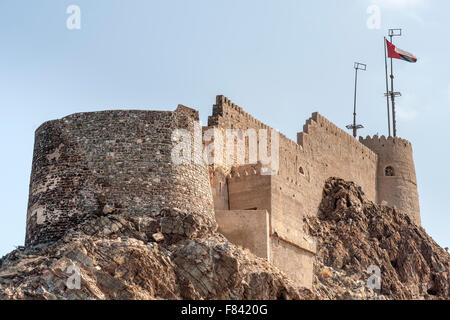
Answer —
(120, 256)
(124, 257)
(354, 234)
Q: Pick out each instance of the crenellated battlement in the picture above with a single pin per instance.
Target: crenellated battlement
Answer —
(384, 141)
(318, 122)
(245, 171)
(226, 109)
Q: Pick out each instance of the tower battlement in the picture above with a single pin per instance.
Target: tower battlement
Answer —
(383, 141)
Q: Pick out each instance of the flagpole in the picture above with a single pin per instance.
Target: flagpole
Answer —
(392, 33)
(387, 88)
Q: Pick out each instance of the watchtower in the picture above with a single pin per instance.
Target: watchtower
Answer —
(117, 161)
(396, 174)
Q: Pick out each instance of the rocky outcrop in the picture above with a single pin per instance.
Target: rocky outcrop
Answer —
(170, 254)
(354, 234)
(128, 257)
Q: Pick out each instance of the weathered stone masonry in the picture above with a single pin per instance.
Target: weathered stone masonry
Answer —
(120, 161)
(104, 162)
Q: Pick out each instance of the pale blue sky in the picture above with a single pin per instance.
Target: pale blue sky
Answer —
(280, 60)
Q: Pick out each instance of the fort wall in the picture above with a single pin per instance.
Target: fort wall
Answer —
(248, 189)
(219, 188)
(323, 150)
(246, 228)
(295, 261)
(295, 191)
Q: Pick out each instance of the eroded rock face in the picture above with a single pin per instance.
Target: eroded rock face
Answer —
(353, 234)
(170, 254)
(118, 258)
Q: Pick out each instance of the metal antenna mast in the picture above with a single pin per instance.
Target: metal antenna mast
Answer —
(394, 33)
(354, 126)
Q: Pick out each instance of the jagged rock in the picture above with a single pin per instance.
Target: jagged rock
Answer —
(354, 233)
(184, 266)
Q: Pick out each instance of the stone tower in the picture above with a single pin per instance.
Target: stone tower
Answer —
(98, 163)
(396, 174)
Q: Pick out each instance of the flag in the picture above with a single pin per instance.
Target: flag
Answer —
(396, 53)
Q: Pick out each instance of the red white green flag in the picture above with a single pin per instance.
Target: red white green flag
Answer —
(396, 53)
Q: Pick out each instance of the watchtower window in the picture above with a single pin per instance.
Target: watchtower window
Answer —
(389, 172)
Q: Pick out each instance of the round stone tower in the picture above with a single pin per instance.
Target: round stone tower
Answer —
(396, 174)
(112, 162)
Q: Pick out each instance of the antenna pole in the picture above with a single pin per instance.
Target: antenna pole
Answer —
(354, 126)
(355, 130)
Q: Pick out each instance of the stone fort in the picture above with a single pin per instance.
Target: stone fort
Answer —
(88, 163)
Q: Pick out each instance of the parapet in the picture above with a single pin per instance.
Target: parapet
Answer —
(230, 115)
(245, 170)
(377, 143)
(317, 121)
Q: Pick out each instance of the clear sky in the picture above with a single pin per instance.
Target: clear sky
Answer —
(280, 60)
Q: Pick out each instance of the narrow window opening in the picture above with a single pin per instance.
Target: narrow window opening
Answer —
(389, 171)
